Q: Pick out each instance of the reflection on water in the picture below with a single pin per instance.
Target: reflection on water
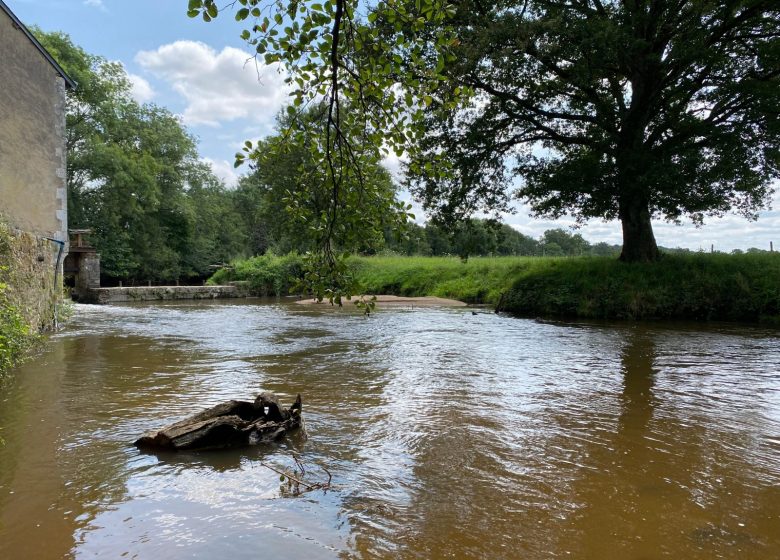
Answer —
(449, 435)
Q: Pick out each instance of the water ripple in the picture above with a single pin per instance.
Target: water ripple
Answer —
(448, 435)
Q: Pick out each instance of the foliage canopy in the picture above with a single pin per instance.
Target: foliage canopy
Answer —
(335, 58)
(286, 198)
(618, 110)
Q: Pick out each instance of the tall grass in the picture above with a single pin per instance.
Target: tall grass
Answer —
(479, 280)
(685, 286)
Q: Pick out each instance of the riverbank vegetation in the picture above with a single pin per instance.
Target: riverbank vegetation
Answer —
(159, 214)
(739, 287)
(679, 286)
(15, 336)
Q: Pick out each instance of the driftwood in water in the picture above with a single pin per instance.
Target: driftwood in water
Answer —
(229, 424)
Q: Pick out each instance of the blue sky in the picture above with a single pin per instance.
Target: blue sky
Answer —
(200, 72)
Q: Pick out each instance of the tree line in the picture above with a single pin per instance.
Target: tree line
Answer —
(158, 212)
(479, 237)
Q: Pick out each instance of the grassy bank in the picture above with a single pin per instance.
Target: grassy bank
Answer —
(693, 286)
(698, 286)
(480, 280)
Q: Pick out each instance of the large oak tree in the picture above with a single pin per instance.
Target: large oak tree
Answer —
(628, 110)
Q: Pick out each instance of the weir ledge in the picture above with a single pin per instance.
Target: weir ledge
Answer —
(159, 293)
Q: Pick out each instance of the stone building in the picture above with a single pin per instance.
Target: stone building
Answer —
(33, 199)
(32, 133)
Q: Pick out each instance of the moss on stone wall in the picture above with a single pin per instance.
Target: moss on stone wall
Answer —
(27, 294)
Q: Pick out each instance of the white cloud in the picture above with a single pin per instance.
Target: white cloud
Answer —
(224, 170)
(217, 86)
(96, 4)
(393, 164)
(141, 90)
(725, 234)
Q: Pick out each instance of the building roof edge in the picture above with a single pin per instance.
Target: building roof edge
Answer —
(68, 80)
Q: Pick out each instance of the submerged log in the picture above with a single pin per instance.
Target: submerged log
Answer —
(230, 424)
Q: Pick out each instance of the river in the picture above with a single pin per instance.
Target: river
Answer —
(448, 435)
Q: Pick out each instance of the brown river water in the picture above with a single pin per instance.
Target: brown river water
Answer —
(448, 435)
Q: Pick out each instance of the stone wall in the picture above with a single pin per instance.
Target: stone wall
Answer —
(27, 267)
(27, 292)
(82, 270)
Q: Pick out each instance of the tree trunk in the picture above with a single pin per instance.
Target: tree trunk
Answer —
(638, 239)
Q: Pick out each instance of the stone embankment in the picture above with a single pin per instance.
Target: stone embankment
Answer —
(160, 293)
(27, 265)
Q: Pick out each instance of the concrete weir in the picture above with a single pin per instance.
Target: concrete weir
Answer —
(158, 293)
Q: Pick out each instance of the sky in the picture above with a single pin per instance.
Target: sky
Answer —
(204, 73)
